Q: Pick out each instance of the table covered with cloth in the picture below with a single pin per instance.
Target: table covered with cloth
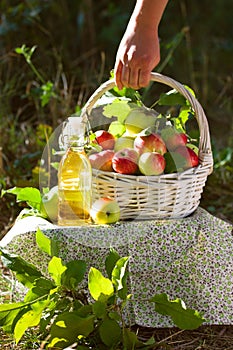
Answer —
(190, 258)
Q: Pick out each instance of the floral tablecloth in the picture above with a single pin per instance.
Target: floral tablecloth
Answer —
(190, 258)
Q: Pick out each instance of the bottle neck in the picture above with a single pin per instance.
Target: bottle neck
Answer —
(76, 143)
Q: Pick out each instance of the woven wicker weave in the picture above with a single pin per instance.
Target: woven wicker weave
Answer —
(165, 196)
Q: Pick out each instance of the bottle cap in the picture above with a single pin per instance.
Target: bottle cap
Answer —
(73, 131)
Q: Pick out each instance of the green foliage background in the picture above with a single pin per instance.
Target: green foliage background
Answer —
(76, 43)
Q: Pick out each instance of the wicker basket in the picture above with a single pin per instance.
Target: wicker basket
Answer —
(165, 196)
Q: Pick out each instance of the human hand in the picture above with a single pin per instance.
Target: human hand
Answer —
(139, 49)
(138, 54)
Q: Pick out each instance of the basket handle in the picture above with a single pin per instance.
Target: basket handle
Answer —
(205, 153)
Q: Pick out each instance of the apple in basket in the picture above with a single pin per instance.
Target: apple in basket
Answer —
(147, 141)
(191, 158)
(151, 163)
(173, 138)
(123, 142)
(102, 160)
(105, 211)
(182, 158)
(125, 161)
(105, 139)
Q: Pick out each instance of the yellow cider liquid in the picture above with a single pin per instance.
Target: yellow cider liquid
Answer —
(74, 188)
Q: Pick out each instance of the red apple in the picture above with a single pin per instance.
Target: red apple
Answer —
(151, 163)
(173, 138)
(191, 158)
(176, 140)
(125, 161)
(102, 160)
(105, 139)
(149, 142)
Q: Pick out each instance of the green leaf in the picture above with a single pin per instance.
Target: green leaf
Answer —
(74, 273)
(181, 316)
(114, 315)
(172, 98)
(116, 128)
(56, 269)
(118, 108)
(99, 286)
(119, 276)
(99, 309)
(110, 332)
(84, 311)
(29, 319)
(8, 313)
(47, 93)
(26, 273)
(130, 340)
(67, 327)
(46, 244)
(30, 195)
(41, 286)
(110, 261)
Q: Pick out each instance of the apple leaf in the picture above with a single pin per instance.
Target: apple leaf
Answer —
(116, 128)
(30, 318)
(118, 108)
(100, 287)
(30, 195)
(99, 309)
(41, 287)
(46, 244)
(26, 273)
(110, 332)
(74, 273)
(8, 312)
(67, 327)
(186, 114)
(181, 316)
(111, 260)
(119, 276)
(56, 269)
(172, 98)
(131, 341)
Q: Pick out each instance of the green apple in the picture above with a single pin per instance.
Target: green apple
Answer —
(105, 211)
(123, 142)
(50, 204)
(139, 119)
(151, 163)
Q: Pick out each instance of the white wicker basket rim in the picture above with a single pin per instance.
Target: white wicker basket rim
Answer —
(205, 152)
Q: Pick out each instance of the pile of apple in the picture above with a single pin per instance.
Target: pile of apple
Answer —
(141, 150)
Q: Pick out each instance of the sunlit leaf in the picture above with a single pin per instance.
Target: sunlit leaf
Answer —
(29, 319)
(56, 269)
(46, 244)
(67, 327)
(119, 276)
(30, 195)
(116, 128)
(118, 108)
(99, 286)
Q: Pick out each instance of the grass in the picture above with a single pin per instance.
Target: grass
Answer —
(204, 338)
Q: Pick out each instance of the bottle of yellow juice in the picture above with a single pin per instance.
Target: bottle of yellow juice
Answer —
(74, 178)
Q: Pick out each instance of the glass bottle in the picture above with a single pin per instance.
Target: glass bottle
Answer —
(74, 178)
